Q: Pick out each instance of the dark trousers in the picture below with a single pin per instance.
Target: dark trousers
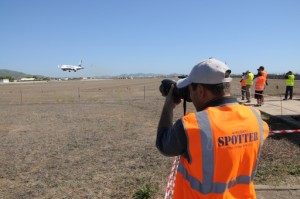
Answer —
(243, 89)
(289, 90)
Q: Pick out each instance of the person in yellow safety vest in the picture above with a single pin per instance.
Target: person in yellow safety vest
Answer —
(264, 74)
(243, 85)
(289, 82)
(219, 145)
(249, 83)
(260, 82)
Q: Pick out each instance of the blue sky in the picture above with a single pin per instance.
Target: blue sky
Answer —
(149, 36)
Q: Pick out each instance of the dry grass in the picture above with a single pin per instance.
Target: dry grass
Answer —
(96, 139)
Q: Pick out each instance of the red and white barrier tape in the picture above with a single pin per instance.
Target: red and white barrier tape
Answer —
(284, 131)
(255, 93)
(171, 181)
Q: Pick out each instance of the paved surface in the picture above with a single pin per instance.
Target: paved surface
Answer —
(279, 192)
(288, 111)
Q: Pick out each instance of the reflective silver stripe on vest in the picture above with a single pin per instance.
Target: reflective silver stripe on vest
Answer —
(208, 186)
(215, 187)
(207, 150)
(261, 140)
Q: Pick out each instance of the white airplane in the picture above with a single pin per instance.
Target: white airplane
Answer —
(71, 67)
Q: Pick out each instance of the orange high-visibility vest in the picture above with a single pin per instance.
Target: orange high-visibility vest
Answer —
(243, 82)
(264, 73)
(260, 83)
(224, 145)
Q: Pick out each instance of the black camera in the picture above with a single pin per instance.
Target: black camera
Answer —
(178, 93)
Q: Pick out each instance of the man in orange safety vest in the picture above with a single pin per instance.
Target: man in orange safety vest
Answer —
(264, 74)
(260, 82)
(219, 144)
(243, 85)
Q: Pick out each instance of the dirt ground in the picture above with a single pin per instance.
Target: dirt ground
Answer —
(96, 139)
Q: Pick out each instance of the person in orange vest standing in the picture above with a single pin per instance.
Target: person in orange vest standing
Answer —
(243, 85)
(264, 74)
(259, 82)
(219, 144)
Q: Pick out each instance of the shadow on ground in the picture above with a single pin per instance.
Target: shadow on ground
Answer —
(276, 123)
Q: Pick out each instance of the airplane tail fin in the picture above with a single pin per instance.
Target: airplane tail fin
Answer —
(80, 64)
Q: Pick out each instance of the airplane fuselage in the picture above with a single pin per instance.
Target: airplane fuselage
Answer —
(71, 67)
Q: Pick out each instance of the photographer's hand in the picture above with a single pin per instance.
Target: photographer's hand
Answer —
(166, 119)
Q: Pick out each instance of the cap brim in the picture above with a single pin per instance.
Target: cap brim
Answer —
(183, 82)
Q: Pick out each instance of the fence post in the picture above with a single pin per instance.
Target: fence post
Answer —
(277, 87)
(78, 94)
(21, 96)
(144, 92)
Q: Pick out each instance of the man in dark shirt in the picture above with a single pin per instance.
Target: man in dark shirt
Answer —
(171, 139)
(220, 131)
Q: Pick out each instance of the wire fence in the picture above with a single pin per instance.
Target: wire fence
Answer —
(50, 93)
(106, 91)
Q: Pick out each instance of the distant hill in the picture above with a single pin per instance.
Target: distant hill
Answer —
(13, 74)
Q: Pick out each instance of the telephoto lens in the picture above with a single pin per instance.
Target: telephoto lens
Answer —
(178, 94)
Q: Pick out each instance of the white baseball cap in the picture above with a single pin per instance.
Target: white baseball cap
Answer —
(210, 71)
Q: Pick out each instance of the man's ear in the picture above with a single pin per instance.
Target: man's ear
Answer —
(201, 91)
